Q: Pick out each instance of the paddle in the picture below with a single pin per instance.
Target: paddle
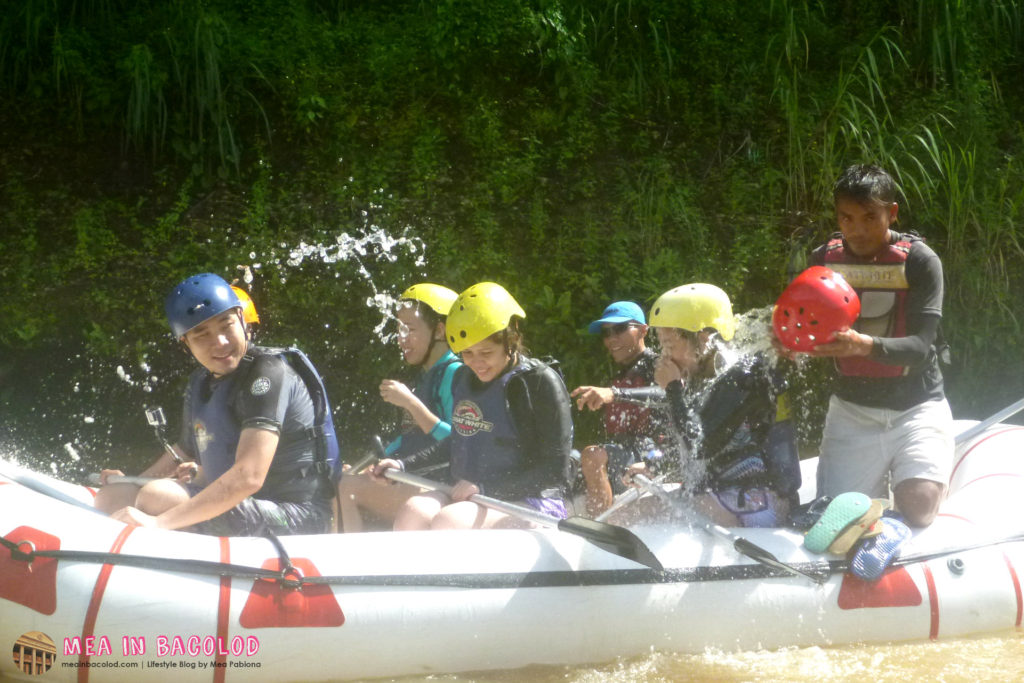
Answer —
(1007, 412)
(614, 539)
(624, 499)
(95, 479)
(741, 545)
(39, 484)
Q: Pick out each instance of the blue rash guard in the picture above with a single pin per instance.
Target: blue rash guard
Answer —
(434, 389)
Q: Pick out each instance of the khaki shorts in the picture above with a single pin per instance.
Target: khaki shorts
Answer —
(870, 449)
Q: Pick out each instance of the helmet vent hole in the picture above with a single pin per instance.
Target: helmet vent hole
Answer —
(462, 333)
(810, 337)
(801, 310)
(814, 322)
(786, 313)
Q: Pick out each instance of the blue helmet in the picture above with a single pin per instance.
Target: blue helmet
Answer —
(196, 299)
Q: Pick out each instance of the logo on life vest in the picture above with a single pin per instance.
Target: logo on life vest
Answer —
(260, 386)
(203, 437)
(468, 419)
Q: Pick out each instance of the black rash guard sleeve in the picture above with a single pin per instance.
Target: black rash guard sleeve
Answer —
(924, 311)
(274, 397)
(542, 411)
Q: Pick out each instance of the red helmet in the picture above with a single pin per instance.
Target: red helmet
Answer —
(817, 304)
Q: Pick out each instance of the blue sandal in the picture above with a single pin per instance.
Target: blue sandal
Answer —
(875, 554)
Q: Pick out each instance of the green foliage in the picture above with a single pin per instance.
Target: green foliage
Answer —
(575, 151)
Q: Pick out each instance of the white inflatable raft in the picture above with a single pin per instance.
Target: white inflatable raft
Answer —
(126, 604)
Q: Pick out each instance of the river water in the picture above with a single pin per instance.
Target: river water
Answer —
(997, 657)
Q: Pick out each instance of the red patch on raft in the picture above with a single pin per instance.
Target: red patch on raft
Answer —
(894, 589)
(32, 584)
(272, 605)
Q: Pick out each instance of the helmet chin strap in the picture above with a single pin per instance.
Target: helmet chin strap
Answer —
(245, 327)
(430, 346)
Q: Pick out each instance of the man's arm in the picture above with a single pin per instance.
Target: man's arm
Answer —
(255, 453)
(592, 397)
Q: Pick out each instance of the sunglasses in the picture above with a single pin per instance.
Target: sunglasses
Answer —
(616, 330)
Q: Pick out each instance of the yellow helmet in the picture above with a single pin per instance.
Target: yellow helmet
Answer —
(695, 307)
(478, 312)
(249, 313)
(439, 298)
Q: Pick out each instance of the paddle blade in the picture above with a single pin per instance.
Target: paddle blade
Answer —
(615, 539)
(818, 574)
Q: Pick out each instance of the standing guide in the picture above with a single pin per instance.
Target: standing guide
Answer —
(888, 419)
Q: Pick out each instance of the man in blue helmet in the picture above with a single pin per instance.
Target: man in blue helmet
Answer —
(256, 420)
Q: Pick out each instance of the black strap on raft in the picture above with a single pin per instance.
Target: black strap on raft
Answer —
(289, 577)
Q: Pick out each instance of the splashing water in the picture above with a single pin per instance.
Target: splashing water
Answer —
(373, 245)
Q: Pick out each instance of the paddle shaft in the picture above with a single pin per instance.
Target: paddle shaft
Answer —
(95, 479)
(511, 509)
(39, 484)
(624, 499)
(608, 537)
(1007, 412)
(741, 545)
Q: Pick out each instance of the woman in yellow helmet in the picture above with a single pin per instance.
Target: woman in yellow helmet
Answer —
(426, 408)
(723, 408)
(511, 425)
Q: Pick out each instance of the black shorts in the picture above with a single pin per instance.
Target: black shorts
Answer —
(620, 457)
(253, 516)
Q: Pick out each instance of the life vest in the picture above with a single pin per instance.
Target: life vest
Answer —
(216, 429)
(737, 430)
(322, 433)
(621, 418)
(881, 283)
(428, 390)
(485, 441)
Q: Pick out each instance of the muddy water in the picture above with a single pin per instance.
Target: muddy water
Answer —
(991, 658)
(998, 657)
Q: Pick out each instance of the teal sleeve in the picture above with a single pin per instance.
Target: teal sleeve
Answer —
(393, 447)
(443, 428)
(441, 431)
